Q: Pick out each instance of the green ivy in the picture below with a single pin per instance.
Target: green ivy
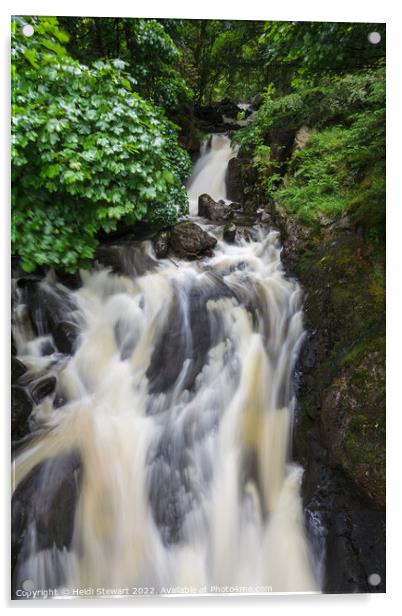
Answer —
(87, 152)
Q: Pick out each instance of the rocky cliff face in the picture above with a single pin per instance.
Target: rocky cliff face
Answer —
(340, 427)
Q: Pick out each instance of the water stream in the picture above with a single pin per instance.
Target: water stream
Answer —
(171, 423)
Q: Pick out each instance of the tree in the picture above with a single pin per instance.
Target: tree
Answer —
(312, 50)
(221, 58)
(87, 152)
(151, 56)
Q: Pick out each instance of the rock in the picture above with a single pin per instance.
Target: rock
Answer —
(217, 211)
(234, 180)
(44, 502)
(188, 240)
(353, 424)
(256, 101)
(47, 304)
(13, 346)
(161, 243)
(42, 388)
(229, 233)
(17, 369)
(281, 142)
(247, 233)
(127, 256)
(265, 218)
(65, 335)
(71, 281)
(21, 407)
(245, 219)
(344, 223)
(301, 138)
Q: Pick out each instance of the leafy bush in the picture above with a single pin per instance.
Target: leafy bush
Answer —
(333, 101)
(87, 152)
(342, 166)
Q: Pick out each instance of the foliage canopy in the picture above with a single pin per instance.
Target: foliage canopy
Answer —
(87, 152)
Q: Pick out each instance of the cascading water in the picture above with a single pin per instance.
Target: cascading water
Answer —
(209, 172)
(170, 426)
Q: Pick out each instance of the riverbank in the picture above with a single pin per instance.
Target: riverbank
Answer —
(340, 421)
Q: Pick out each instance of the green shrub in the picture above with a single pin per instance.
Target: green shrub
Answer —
(87, 152)
(342, 166)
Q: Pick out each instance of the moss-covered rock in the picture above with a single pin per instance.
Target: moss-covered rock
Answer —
(353, 420)
(344, 308)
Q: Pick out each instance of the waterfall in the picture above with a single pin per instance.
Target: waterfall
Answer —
(170, 426)
(210, 170)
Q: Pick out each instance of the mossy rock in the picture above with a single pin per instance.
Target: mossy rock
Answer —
(353, 420)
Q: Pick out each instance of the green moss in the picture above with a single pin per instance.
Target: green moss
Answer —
(365, 440)
(363, 348)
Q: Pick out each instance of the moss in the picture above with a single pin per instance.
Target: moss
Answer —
(344, 280)
(362, 348)
(365, 439)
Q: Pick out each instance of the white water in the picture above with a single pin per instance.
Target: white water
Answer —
(179, 403)
(210, 170)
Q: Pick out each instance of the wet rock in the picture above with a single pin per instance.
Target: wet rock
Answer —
(234, 180)
(229, 233)
(71, 281)
(353, 424)
(44, 503)
(127, 256)
(47, 304)
(47, 347)
(161, 243)
(217, 211)
(21, 407)
(245, 219)
(265, 218)
(17, 369)
(43, 388)
(189, 241)
(65, 335)
(13, 346)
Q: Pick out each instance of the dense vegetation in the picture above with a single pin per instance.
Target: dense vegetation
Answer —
(342, 166)
(339, 98)
(87, 150)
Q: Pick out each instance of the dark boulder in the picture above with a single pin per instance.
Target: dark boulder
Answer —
(160, 243)
(17, 369)
(21, 407)
(71, 281)
(229, 233)
(13, 346)
(127, 256)
(47, 304)
(265, 218)
(65, 335)
(234, 180)
(189, 241)
(42, 388)
(217, 211)
(44, 503)
(245, 219)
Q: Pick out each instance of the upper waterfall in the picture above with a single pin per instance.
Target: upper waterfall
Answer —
(209, 173)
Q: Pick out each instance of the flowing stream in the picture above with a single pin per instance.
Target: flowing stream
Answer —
(170, 425)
